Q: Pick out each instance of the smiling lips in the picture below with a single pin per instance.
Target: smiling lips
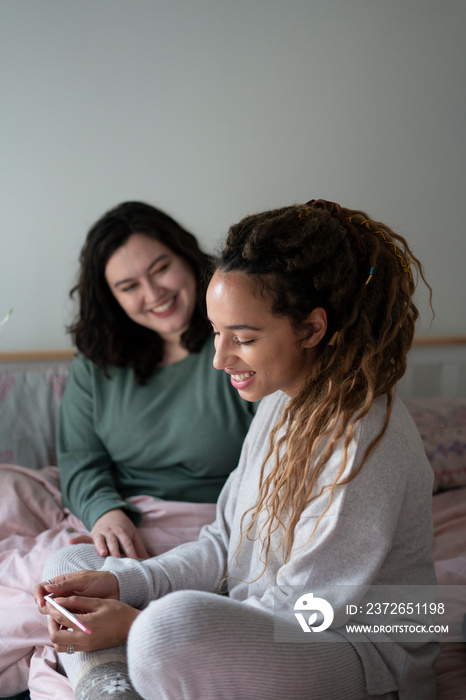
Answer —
(166, 308)
(243, 380)
(242, 377)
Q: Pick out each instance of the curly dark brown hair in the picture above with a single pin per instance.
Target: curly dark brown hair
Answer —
(102, 331)
(363, 274)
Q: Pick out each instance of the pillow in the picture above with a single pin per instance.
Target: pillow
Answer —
(442, 425)
(29, 402)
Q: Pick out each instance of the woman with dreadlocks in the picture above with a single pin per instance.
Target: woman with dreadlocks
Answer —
(312, 310)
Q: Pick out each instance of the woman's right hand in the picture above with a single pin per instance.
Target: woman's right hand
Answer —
(109, 622)
(89, 584)
(115, 534)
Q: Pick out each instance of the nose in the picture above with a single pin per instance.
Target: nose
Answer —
(224, 355)
(151, 291)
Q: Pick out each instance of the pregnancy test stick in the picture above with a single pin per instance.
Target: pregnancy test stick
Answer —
(67, 614)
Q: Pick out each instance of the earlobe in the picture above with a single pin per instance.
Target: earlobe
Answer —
(318, 320)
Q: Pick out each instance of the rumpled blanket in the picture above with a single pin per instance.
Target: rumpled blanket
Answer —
(33, 523)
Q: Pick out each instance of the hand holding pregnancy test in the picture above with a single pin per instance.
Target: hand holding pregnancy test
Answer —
(67, 613)
(93, 594)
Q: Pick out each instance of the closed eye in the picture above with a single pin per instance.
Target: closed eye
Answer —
(129, 287)
(237, 341)
(160, 269)
(243, 342)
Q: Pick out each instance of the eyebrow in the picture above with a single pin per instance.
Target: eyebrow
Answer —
(153, 263)
(243, 327)
(240, 327)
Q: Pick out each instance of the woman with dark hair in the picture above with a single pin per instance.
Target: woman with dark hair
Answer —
(143, 412)
(148, 432)
(103, 332)
(312, 309)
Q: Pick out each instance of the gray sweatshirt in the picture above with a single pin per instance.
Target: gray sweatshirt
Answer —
(377, 531)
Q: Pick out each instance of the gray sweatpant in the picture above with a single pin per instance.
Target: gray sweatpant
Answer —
(193, 645)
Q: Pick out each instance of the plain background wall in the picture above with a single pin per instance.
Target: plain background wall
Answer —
(213, 109)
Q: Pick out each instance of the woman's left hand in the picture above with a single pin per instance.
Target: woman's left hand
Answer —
(108, 620)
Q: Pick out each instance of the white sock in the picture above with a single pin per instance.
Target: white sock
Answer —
(97, 674)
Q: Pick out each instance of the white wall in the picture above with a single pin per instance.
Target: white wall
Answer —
(212, 109)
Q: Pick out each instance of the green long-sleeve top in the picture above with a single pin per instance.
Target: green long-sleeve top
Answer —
(176, 438)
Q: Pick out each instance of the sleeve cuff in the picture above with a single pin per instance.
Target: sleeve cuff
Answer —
(132, 511)
(135, 583)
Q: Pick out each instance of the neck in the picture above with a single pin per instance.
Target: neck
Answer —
(173, 352)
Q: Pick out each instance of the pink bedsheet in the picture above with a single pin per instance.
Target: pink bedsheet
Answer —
(33, 523)
(449, 512)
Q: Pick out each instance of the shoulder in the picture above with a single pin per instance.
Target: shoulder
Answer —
(81, 363)
(401, 434)
(84, 372)
(399, 455)
(82, 367)
(80, 370)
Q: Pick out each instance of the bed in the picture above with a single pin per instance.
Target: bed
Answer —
(434, 390)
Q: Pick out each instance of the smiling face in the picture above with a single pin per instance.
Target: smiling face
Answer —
(155, 287)
(261, 352)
